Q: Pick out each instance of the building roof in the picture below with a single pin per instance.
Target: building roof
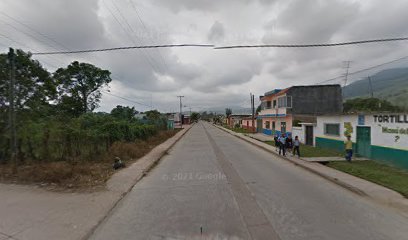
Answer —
(240, 115)
(279, 92)
(274, 93)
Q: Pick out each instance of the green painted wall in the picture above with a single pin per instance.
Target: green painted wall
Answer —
(330, 144)
(396, 157)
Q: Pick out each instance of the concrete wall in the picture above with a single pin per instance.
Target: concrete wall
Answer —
(247, 124)
(316, 100)
(278, 121)
(389, 140)
(300, 132)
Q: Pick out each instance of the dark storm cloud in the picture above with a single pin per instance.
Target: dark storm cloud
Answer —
(208, 77)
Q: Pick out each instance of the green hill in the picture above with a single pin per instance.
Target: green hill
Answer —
(390, 84)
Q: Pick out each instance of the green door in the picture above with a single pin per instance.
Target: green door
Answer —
(363, 147)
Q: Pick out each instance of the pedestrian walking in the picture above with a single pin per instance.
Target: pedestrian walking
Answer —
(348, 144)
(296, 145)
(276, 140)
(289, 143)
(282, 145)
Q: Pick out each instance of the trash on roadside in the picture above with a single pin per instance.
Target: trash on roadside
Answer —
(118, 163)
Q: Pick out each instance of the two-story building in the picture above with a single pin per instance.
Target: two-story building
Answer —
(282, 109)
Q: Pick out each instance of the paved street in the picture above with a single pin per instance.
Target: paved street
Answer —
(213, 185)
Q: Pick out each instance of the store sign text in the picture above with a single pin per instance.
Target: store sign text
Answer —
(391, 118)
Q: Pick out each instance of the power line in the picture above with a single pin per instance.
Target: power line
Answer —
(127, 99)
(314, 45)
(147, 32)
(125, 48)
(31, 36)
(21, 44)
(34, 30)
(365, 69)
(127, 32)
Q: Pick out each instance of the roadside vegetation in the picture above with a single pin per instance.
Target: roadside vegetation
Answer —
(385, 175)
(59, 140)
(236, 129)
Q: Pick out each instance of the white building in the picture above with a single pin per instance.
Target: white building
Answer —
(379, 136)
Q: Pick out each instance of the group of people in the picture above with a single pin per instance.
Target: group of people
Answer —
(283, 144)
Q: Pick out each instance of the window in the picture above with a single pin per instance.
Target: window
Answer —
(285, 102)
(273, 125)
(267, 124)
(283, 127)
(332, 129)
(289, 102)
(268, 105)
(274, 103)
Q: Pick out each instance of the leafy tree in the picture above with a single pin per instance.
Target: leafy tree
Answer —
(258, 109)
(228, 112)
(369, 105)
(195, 116)
(153, 115)
(124, 113)
(80, 86)
(34, 85)
(34, 89)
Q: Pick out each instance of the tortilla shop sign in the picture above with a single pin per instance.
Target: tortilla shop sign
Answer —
(391, 118)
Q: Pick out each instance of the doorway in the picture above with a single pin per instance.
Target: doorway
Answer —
(309, 135)
(363, 143)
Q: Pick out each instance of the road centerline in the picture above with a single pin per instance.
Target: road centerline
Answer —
(256, 221)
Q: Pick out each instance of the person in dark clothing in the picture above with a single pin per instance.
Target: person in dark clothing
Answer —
(282, 145)
(296, 145)
(276, 140)
(289, 143)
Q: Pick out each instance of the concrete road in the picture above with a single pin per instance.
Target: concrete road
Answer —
(212, 185)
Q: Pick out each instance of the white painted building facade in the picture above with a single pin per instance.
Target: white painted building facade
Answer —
(382, 136)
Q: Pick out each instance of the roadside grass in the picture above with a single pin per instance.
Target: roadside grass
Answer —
(310, 151)
(385, 175)
(237, 130)
(81, 175)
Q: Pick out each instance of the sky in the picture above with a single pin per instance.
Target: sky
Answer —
(207, 78)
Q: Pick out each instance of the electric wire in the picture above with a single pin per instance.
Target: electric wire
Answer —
(365, 69)
(147, 56)
(126, 48)
(147, 32)
(315, 44)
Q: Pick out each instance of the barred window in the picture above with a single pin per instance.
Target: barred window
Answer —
(332, 129)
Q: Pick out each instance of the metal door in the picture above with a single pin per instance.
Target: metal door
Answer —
(363, 147)
(309, 135)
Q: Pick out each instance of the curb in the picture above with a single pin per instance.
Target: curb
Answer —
(297, 163)
(150, 166)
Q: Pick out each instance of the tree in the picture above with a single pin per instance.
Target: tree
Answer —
(33, 84)
(153, 115)
(369, 105)
(195, 116)
(34, 89)
(80, 86)
(124, 113)
(259, 108)
(228, 112)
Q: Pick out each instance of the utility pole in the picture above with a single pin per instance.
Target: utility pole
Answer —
(371, 87)
(12, 114)
(347, 67)
(253, 110)
(181, 111)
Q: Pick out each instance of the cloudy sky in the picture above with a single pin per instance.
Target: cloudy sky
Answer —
(207, 78)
